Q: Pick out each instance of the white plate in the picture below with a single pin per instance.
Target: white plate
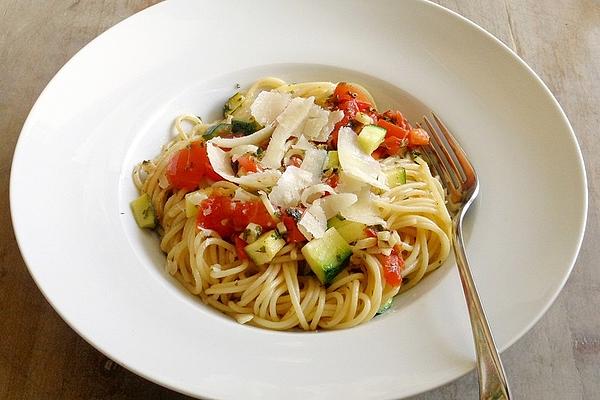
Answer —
(113, 104)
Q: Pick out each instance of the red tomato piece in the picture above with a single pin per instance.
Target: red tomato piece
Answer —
(370, 232)
(252, 212)
(418, 137)
(392, 145)
(227, 217)
(396, 118)
(293, 233)
(392, 267)
(366, 108)
(209, 172)
(349, 108)
(346, 91)
(392, 129)
(216, 213)
(239, 248)
(186, 167)
(247, 163)
(333, 180)
(379, 153)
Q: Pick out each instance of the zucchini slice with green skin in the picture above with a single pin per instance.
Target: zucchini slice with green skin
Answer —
(216, 130)
(332, 161)
(143, 212)
(370, 137)
(327, 256)
(244, 127)
(264, 249)
(396, 177)
(233, 103)
(385, 306)
(351, 231)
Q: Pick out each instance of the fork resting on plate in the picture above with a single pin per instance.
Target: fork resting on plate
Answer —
(448, 160)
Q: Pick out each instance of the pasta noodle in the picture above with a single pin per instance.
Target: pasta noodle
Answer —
(284, 293)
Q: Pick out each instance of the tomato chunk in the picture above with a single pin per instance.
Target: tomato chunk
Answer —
(293, 233)
(370, 232)
(392, 267)
(346, 91)
(187, 167)
(209, 172)
(392, 129)
(333, 180)
(239, 248)
(349, 108)
(228, 217)
(248, 163)
(418, 137)
(396, 118)
(215, 213)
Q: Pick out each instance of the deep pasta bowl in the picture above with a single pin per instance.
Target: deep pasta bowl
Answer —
(114, 102)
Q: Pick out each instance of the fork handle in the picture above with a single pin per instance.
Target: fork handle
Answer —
(492, 379)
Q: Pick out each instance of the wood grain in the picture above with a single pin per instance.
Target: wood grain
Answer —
(42, 358)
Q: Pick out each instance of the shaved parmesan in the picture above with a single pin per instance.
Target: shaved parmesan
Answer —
(364, 210)
(313, 223)
(355, 162)
(256, 138)
(288, 123)
(333, 118)
(268, 205)
(321, 90)
(303, 144)
(348, 184)
(313, 163)
(221, 162)
(315, 122)
(268, 105)
(335, 203)
(238, 151)
(308, 194)
(243, 195)
(287, 191)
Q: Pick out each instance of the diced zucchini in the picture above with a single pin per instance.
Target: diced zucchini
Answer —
(251, 233)
(370, 137)
(385, 306)
(263, 250)
(328, 255)
(217, 130)
(351, 231)
(233, 103)
(143, 212)
(396, 177)
(332, 161)
(192, 200)
(244, 127)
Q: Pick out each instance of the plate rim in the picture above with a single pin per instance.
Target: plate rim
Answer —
(25, 130)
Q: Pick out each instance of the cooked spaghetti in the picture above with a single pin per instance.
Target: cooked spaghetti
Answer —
(304, 207)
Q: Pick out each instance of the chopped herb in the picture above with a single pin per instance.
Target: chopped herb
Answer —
(295, 213)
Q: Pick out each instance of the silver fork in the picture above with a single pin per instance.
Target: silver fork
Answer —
(463, 186)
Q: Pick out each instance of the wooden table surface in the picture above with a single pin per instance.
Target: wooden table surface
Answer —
(42, 358)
